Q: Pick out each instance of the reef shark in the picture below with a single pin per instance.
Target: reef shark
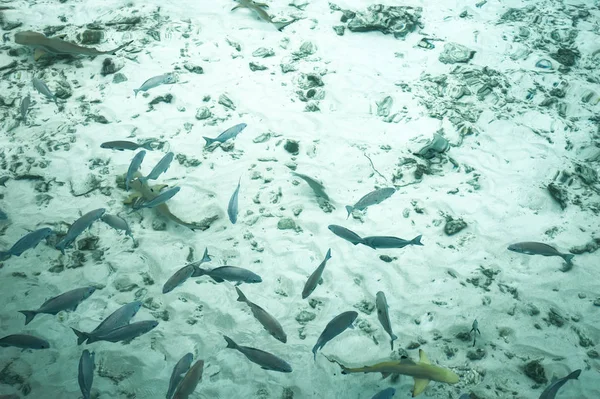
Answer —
(42, 45)
(422, 371)
(258, 8)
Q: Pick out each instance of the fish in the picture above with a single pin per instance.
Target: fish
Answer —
(538, 248)
(387, 393)
(28, 241)
(135, 164)
(346, 234)
(121, 145)
(43, 89)
(552, 389)
(86, 373)
(268, 322)
(465, 396)
(3, 180)
(126, 332)
(422, 372)
(161, 198)
(24, 107)
(78, 227)
(161, 167)
(151, 83)
(178, 278)
(475, 331)
(265, 360)
(390, 242)
(190, 381)
(384, 316)
(258, 8)
(316, 186)
(117, 319)
(42, 44)
(335, 327)
(230, 133)
(182, 366)
(116, 223)
(3, 216)
(314, 278)
(66, 301)
(373, 198)
(8, 396)
(232, 208)
(24, 341)
(229, 273)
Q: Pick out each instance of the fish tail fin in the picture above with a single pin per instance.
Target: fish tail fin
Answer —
(241, 296)
(328, 254)
(417, 240)
(147, 145)
(198, 271)
(135, 92)
(230, 343)
(314, 351)
(209, 141)
(281, 25)
(568, 258)
(349, 209)
(81, 336)
(206, 256)
(61, 246)
(29, 315)
(394, 337)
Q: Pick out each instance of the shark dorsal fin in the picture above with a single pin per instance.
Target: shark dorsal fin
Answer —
(423, 357)
(420, 385)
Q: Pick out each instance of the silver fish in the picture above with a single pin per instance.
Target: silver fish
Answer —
(268, 322)
(385, 394)
(226, 135)
(538, 248)
(346, 234)
(28, 241)
(182, 366)
(24, 107)
(117, 223)
(316, 186)
(86, 373)
(151, 83)
(384, 316)
(229, 273)
(159, 199)
(265, 360)
(24, 341)
(190, 381)
(135, 164)
(67, 301)
(314, 278)
(78, 227)
(161, 167)
(390, 242)
(126, 332)
(43, 89)
(373, 198)
(550, 392)
(232, 208)
(335, 327)
(178, 278)
(121, 145)
(118, 318)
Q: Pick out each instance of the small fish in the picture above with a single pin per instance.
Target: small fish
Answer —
(28, 241)
(226, 135)
(182, 366)
(135, 164)
(121, 145)
(118, 318)
(232, 208)
(159, 199)
(3, 180)
(538, 248)
(335, 327)
(265, 360)
(151, 83)
(24, 107)
(190, 381)
(373, 198)
(116, 223)
(550, 392)
(126, 332)
(314, 278)
(384, 316)
(268, 322)
(229, 273)
(161, 167)
(258, 8)
(385, 394)
(78, 227)
(346, 234)
(67, 301)
(316, 186)
(178, 278)
(390, 242)
(475, 331)
(86, 373)
(24, 341)
(43, 89)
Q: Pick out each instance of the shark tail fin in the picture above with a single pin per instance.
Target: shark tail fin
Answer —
(349, 209)
(241, 296)
(568, 258)
(230, 343)
(81, 336)
(417, 240)
(29, 315)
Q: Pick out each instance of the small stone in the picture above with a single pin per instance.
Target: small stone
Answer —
(119, 78)
(339, 30)
(194, 69)
(203, 113)
(597, 302)
(385, 258)
(476, 355)
(159, 225)
(91, 36)
(453, 226)
(535, 371)
(108, 67)
(226, 102)
(365, 306)
(286, 224)
(291, 146)
(263, 52)
(304, 317)
(256, 67)
(88, 243)
(559, 194)
(262, 138)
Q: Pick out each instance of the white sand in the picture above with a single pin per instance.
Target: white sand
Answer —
(512, 205)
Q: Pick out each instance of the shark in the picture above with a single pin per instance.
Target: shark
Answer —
(259, 9)
(54, 45)
(422, 371)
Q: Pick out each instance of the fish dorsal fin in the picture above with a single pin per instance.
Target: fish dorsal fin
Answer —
(38, 53)
(385, 375)
(420, 385)
(423, 357)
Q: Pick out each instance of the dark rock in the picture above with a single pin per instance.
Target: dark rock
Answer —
(291, 146)
(565, 56)
(453, 226)
(256, 67)
(396, 20)
(108, 67)
(194, 69)
(559, 194)
(91, 36)
(535, 371)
